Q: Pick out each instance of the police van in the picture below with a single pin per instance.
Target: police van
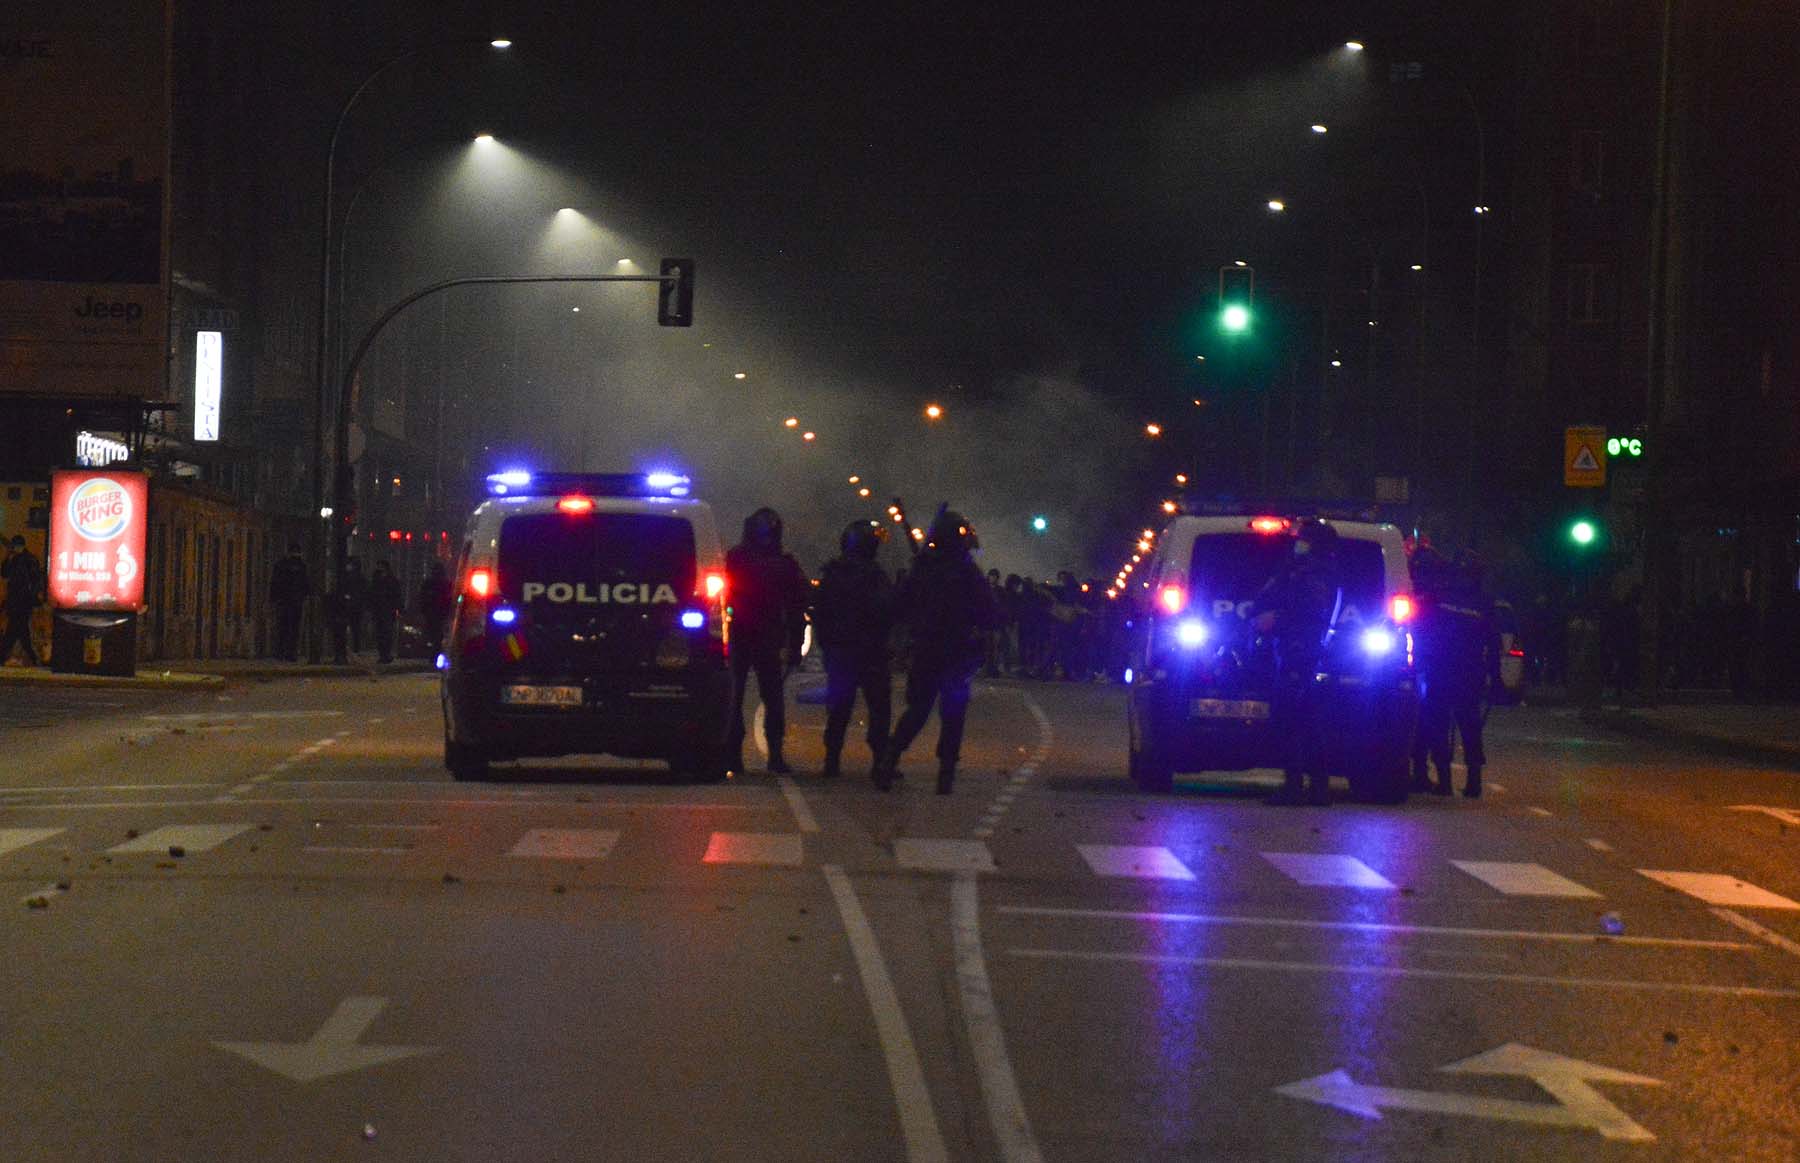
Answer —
(1203, 681)
(590, 618)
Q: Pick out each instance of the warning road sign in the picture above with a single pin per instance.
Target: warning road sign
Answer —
(1584, 458)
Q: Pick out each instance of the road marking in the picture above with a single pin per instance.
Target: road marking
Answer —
(332, 1050)
(912, 1098)
(755, 848)
(1740, 991)
(1368, 927)
(987, 1042)
(399, 801)
(1545, 812)
(354, 850)
(1496, 787)
(566, 844)
(803, 816)
(1599, 845)
(1578, 1104)
(1789, 816)
(1327, 870)
(1718, 889)
(71, 789)
(1143, 862)
(1767, 934)
(222, 716)
(192, 837)
(943, 855)
(47, 893)
(12, 839)
(1523, 879)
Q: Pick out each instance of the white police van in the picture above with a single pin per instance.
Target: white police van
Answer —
(1202, 684)
(590, 619)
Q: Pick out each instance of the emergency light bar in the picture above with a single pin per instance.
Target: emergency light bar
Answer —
(520, 483)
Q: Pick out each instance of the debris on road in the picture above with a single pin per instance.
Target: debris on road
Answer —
(37, 902)
(177, 851)
(452, 878)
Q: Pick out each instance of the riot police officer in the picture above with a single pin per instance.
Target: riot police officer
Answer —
(1455, 651)
(769, 592)
(1295, 610)
(853, 614)
(947, 608)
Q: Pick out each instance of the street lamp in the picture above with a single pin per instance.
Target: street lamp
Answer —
(933, 412)
(1276, 205)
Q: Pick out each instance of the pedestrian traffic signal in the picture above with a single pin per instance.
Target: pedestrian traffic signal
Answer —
(675, 297)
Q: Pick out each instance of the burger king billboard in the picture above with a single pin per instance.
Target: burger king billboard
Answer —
(97, 526)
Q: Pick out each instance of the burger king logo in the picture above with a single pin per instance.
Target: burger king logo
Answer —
(100, 509)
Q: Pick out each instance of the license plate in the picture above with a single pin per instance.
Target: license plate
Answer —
(541, 696)
(1228, 709)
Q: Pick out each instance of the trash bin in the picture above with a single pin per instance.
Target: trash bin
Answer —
(93, 642)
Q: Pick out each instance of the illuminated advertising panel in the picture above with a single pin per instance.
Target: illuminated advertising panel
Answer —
(209, 378)
(98, 519)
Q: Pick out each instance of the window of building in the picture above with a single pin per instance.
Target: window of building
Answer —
(1587, 161)
(1590, 293)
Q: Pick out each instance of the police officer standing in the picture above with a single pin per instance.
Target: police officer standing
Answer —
(24, 577)
(853, 614)
(769, 593)
(1456, 648)
(384, 599)
(288, 590)
(1295, 610)
(948, 609)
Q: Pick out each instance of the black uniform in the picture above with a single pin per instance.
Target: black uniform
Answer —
(288, 590)
(853, 614)
(1295, 609)
(436, 598)
(948, 608)
(769, 593)
(1454, 649)
(384, 601)
(24, 576)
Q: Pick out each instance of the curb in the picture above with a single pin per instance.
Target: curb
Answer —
(160, 680)
(1627, 723)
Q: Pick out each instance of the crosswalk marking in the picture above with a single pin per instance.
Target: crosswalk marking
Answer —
(755, 848)
(1327, 870)
(14, 838)
(944, 855)
(1718, 889)
(566, 843)
(190, 837)
(1144, 862)
(1523, 879)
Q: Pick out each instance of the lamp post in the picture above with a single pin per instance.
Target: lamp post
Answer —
(321, 373)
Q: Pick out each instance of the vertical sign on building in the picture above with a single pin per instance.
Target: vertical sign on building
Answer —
(209, 378)
(84, 145)
(97, 527)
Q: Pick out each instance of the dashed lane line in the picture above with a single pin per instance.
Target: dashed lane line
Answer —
(803, 817)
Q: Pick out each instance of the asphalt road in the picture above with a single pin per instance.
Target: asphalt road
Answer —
(262, 924)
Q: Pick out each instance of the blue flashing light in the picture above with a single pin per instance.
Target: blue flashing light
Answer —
(505, 617)
(512, 476)
(1128, 676)
(692, 619)
(1191, 632)
(443, 662)
(1378, 640)
(672, 483)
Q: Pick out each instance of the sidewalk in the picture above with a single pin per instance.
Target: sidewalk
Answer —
(195, 673)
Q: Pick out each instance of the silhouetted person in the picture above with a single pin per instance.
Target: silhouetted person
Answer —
(353, 597)
(853, 614)
(768, 593)
(436, 598)
(384, 599)
(288, 590)
(947, 607)
(24, 577)
(1295, 609)
(1454, 644)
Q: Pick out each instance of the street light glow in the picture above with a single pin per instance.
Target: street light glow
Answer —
(484, 139)
(933, 412)
(1418, 266)
(1276, 205)
(856, 480)
(1153, 429)
(1318, 128)
(1238, 262)
(500, 42)
(1354, 45)
(809, 436)
(739, 375)
(1337, 363)
(790, 422)
(1181, 478)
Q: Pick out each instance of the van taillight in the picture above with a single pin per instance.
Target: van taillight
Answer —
(481, 582)
(1400, 608)
(1173, 598)
(714, 586)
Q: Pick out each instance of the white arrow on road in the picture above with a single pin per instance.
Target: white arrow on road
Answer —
(333, 1050)
(1578, 1105)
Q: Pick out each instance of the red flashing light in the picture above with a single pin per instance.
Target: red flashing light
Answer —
(714, 585)
(1173, 598)
(1270, 524)
(1400, 608)
(576, 504)
(1515, 652)
(481, 582)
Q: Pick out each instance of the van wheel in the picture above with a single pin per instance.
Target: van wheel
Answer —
(464, 761)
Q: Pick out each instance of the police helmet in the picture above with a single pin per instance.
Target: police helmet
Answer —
(951, 530)
(1315, 537)
(862, 538)
(763, 527)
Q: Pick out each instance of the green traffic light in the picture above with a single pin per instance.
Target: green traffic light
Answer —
(1235, 318)
(1583, 533)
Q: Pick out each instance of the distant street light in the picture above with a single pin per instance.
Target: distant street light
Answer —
(1153, 429)
(790, 422)
(500, 42)
(1354, 45)
(738, 375)
(856, 480)
(1276, 205)
(933, 412)
(1040, 524)
(1418, 266)
(484, 139)
(1318, 128)
(1181, 478)
(809, 437)
(863, 492)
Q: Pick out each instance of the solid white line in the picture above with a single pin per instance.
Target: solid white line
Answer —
(987, 1043)
(1400, 971)
(1366, 927)
(802, 814)
(396, 827)
(1767, 934)
(71, 788)
(390, 801)
(1599, 845)
(912, 1098)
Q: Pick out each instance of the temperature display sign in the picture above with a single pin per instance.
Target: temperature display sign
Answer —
(97, 525)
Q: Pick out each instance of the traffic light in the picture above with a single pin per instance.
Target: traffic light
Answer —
(1237, 298)
(675, 294)
(1583, 532)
